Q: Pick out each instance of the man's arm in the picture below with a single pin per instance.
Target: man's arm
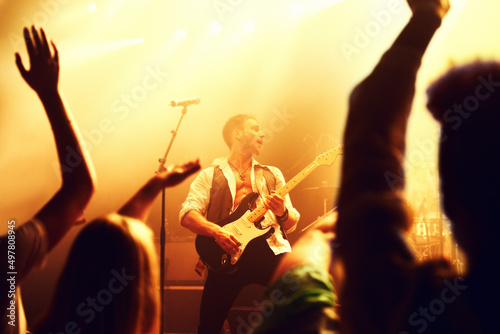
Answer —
(78, 183)
(193, 209)
(140, 204)
(374, 138)
(372, 214)
(380, 105)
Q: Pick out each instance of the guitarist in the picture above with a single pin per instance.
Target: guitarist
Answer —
(215, 193)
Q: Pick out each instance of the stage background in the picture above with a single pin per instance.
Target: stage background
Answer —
(290, 63)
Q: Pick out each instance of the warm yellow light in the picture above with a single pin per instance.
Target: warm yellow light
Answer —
(181, 34)
(215, 27)
(76, 53)
(92, 7)
(249, 26)
(295, 9)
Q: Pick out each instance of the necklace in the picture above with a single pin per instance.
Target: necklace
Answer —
(242, 175)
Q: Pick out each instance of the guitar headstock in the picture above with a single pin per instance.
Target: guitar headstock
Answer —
(328, 157)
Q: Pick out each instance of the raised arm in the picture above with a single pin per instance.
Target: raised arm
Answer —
(372, 213)
(140, 204)
(78, 181)
(380, 105)
(374, 138)
(192, 214)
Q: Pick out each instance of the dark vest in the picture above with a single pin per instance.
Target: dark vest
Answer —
(221, 201)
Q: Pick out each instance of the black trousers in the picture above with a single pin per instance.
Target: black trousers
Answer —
(256, 265)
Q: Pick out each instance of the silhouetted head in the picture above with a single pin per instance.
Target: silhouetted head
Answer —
(466, 101)
(110, 281)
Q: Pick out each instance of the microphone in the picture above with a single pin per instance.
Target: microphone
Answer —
(185, 102)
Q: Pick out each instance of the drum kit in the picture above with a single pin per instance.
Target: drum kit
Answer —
(430, 236)
(325, 193)
(427, 234)
(429, 231)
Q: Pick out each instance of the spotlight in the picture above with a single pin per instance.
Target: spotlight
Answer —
(92, 7)
(249, 26)
(180, 34)
(215, 27)
(295, 9)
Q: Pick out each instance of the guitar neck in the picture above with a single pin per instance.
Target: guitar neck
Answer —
(259, 212)
(297, 179)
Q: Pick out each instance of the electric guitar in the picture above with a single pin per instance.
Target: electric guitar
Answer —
(244, 222)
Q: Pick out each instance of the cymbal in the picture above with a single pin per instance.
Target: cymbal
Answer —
(321, 188)
(319, 218)
(322, 191)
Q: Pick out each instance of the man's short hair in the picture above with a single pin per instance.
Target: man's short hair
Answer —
(235, 122)
(466, 101)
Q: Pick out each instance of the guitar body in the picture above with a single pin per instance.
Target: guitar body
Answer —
(243, 221)
(245, 231)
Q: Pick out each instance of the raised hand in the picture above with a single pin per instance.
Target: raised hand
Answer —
(140, 204)
(78, 185)
(174, 175)
(43, 74)
(439, 7)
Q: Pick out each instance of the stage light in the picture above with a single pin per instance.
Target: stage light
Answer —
(92, 7)
(215, 27)
(249, 26)
(295, 9)
(181, 34)
(76, 53)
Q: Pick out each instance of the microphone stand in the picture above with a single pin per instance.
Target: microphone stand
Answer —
(162, 168)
